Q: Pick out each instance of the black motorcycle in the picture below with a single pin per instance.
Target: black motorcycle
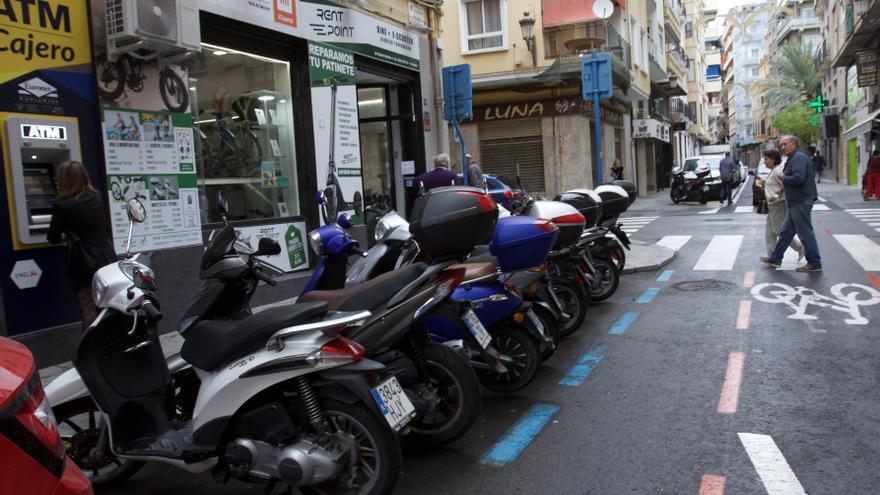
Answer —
(687, 189)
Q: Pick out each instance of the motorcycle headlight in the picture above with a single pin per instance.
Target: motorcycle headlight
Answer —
(316, 242)
(99, 290)
(382, 228)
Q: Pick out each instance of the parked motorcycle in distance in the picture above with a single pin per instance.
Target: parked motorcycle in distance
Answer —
(696, 188)
(280, 396)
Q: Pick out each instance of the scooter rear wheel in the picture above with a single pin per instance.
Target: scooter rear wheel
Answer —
(608, 279)
(458, 391)
(522, 365)
(574, 301)
(79, 427)
(551, 328)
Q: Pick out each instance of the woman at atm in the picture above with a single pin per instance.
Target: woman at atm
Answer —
(79, 220)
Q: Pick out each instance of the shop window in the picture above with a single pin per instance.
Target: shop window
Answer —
(243, 114)
(483, 24)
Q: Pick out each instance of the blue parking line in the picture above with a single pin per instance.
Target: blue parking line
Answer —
(647, 296)
(519, 436)
(665, 276)
(585, 365)
(623, 322)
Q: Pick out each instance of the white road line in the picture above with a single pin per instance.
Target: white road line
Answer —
(865, 251)
(861, 209)
(822, 199)
(720, 254)
(872, 213)
(775, 473)
(742, 187)
(744, 209)
(821, 208)
(709, 212)
(674, 242)
(874, 225)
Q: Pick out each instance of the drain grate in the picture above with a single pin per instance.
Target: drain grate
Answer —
(705, 285)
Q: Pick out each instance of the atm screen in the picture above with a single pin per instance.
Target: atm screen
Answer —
(39, 180)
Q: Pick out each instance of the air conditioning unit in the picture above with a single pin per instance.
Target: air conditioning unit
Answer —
(149, 29)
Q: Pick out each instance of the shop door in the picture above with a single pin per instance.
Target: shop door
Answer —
(390, 143)
(514, 149)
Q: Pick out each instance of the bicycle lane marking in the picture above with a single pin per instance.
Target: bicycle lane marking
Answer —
(728, 402)
(772, 468)
(744, 315)
(712, 484)
(845, 298)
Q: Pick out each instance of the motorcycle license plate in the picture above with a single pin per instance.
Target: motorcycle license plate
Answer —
(393, 403)
(476, 327)
(705, 188)
(535, 321)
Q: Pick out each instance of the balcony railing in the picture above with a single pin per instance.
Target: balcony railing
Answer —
(676, 59)
(789, 24)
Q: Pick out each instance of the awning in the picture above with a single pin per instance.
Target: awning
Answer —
(872, 122)
(568, 12)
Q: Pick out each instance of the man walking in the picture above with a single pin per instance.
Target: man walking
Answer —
(440, 176)
(818, 165)
(727, 168)
(800, 194)
(475, 173)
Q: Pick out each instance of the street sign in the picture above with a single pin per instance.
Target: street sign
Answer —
(596, 75)
(457, 92)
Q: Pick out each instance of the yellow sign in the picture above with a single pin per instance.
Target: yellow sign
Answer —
(42, 34)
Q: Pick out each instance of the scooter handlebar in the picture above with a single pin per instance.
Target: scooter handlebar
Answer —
(260, 275)
(358, 251)
(152, 311)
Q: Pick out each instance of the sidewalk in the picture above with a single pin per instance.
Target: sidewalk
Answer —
(644, 257)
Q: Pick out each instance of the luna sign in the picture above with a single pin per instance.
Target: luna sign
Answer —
(43, 33)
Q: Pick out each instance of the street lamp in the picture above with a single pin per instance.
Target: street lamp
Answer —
(527, 25)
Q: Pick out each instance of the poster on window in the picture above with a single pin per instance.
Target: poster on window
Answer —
(335, 122)
(149, 157)
(291, 236)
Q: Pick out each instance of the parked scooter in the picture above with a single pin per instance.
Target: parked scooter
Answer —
(280, 396)
(685, 189)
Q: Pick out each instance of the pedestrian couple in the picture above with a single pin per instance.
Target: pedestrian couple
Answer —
(790, 194)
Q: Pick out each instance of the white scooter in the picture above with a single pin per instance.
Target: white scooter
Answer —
(280, 396)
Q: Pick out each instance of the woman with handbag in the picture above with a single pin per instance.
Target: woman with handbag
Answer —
(79, 220)
(776, 207)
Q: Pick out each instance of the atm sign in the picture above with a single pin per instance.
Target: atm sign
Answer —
(33, 131)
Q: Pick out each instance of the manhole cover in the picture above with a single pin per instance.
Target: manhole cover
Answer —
(705, 285)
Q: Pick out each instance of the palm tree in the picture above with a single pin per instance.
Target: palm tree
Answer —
(796, 75)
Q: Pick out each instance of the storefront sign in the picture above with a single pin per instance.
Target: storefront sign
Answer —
(290, 235)
(337, 139)
(56, 132)
(328, 23)
(26, 274)
(42, 34)
(868, 67)
(650, 129)
(150, 157)
(546, 107)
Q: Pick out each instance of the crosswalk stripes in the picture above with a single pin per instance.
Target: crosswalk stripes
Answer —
(821, 207)
(744, 209)
(632, 225)
(710, 211)
(674, 242)
(870, 216)
(865, 251)
(720, 254)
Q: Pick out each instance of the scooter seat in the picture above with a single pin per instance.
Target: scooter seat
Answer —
(474, 271)
(211, 343)
(369, 294)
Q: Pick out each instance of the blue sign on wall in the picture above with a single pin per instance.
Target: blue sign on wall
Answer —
(457, 92)
(596, 75)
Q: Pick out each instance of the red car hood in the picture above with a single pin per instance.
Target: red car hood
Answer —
(16, 368)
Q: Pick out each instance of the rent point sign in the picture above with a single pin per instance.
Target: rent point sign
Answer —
(41, 34)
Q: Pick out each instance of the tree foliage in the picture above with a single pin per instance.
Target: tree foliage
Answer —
(799, 120)
(796, 75)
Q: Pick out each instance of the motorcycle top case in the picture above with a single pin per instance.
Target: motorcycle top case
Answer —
(570, 221)
(630, 189)
(520, 243)
(450, 221)
(615, 200)
(587, 203)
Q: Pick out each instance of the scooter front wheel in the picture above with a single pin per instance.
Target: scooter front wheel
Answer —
(608, 279)
(79, 425)
(574, 300)
(373, 467)
(457, 394)
(519, 354)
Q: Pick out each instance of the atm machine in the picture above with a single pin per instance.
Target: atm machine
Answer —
(35, 145)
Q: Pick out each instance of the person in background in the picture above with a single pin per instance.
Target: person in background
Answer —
(872, 177)
(776, 207)
(818, 164)
(79, 220)
(726, 167)
(475, 173)
(440, 176)
(616, 170)
(800, 194)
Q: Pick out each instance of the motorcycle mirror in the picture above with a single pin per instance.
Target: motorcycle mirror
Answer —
(344, 221)
(268, 247)
(222, 205)
(320, 198)
(137, 213)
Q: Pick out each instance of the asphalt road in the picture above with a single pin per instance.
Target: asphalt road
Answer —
(708, 390)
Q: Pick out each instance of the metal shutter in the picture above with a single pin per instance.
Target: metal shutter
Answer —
(504, 145)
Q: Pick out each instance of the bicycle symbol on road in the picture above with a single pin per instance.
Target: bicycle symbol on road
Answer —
(846, 298)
